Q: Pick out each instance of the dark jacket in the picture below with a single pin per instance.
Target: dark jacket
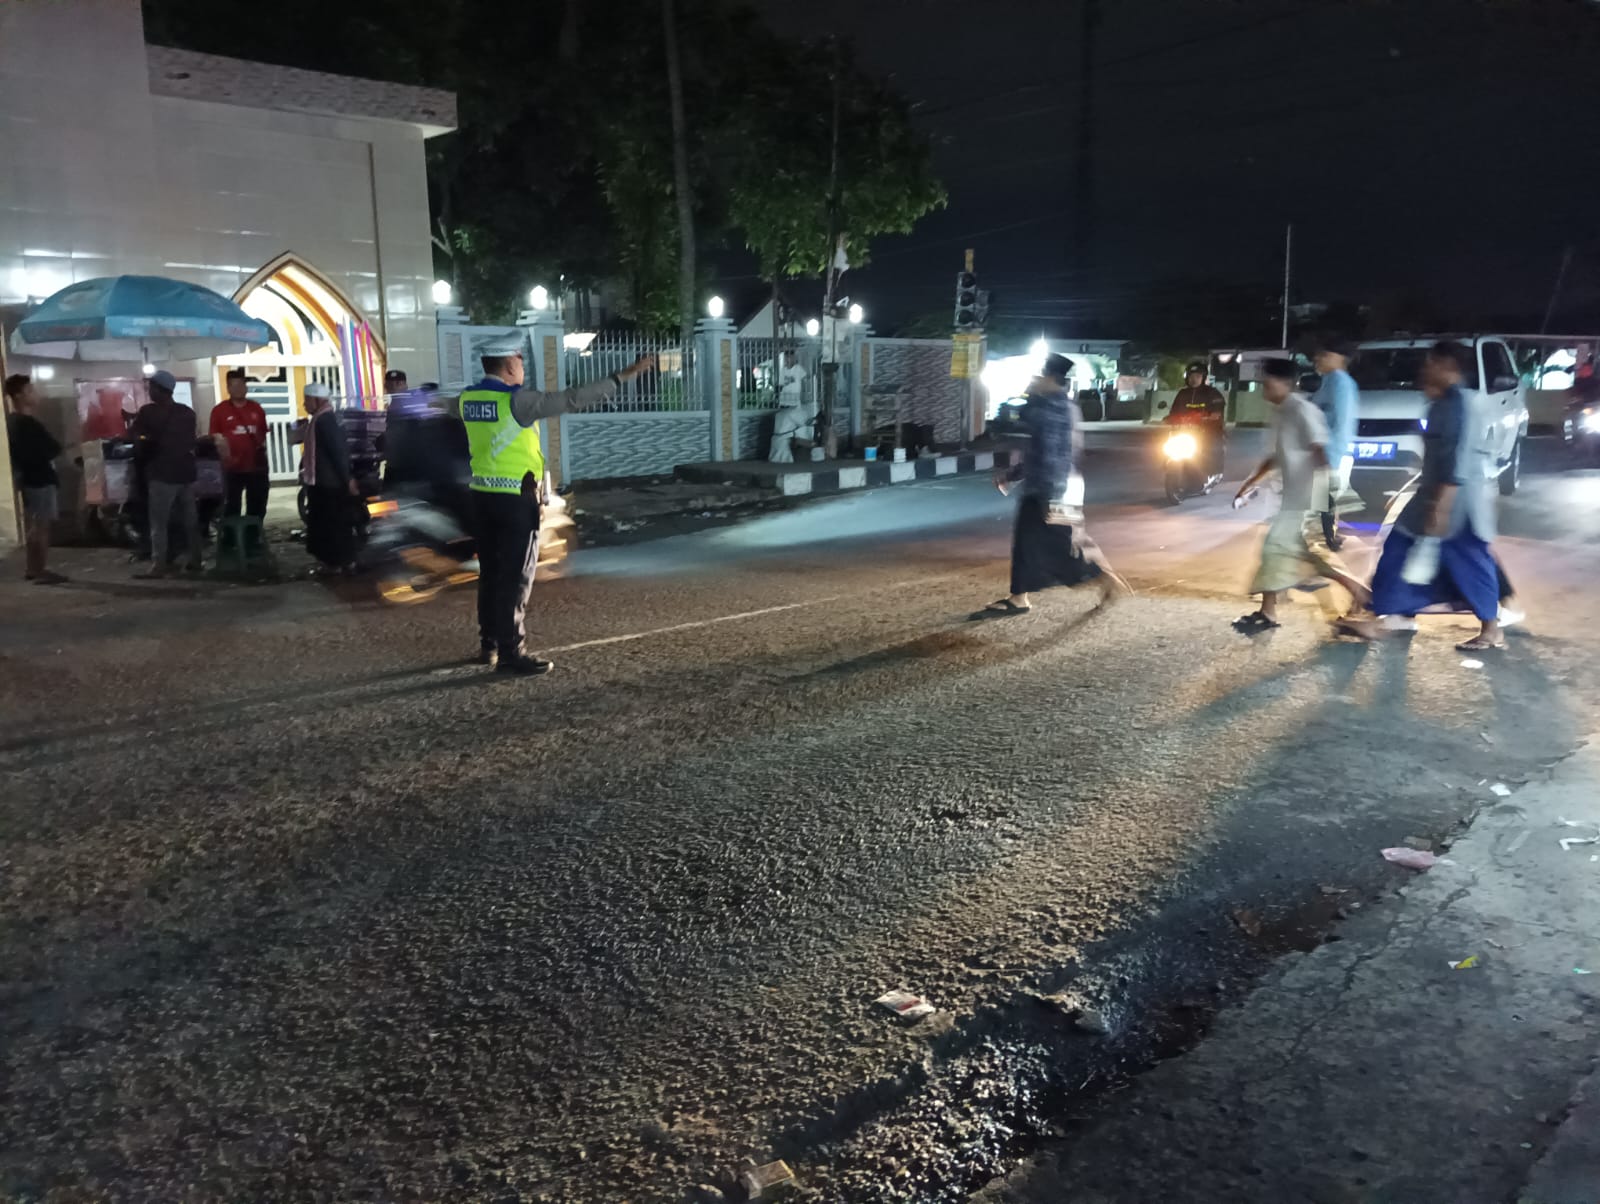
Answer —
(1052, 420)
(33, 451)
(332, 467)
(164, 433)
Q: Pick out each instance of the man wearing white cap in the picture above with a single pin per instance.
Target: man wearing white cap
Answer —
(502, 421)
(330, 527)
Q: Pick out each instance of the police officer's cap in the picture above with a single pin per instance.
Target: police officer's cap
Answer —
(503, 348)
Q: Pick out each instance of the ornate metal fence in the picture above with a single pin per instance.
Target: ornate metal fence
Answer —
(669, 389)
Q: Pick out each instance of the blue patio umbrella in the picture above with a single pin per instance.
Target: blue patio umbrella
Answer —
(135, 319)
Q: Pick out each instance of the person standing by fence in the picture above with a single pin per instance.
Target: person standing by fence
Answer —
(502, 421)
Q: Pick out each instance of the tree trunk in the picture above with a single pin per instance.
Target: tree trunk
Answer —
(680, 185)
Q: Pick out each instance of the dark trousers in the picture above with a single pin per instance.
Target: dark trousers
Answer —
(331, 526)
(250, 488)
(507, 529)
(1044, 554)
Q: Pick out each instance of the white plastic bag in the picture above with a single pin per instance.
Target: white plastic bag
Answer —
(1422, 562)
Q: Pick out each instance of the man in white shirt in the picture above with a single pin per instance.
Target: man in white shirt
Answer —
(794, 419)
(1294, 551)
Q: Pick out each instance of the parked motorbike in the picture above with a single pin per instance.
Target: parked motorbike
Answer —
(1186, 459)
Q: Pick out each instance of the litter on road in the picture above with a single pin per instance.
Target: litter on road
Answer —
(762, 1181)
(1501, 789)
(906, 1005)
(1466, 963)
(1091, 1021)
(1415, 859)
(1469, 663)
(1568, 841)
(1581, 970)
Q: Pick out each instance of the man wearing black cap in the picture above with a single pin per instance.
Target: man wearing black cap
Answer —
(1205, 410)
(1294, 552)
(1048, 547)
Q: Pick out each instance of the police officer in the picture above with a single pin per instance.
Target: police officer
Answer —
(502, 423)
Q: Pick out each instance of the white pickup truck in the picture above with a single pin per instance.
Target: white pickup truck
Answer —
(1388, 443)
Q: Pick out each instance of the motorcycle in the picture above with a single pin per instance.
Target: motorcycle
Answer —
(418, 543)
(1580, 428)
(1183, 452)
(415, 548)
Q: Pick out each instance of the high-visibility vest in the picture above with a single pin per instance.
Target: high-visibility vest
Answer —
(503, 450)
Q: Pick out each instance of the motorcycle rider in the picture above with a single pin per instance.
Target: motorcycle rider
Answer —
(1203, 408)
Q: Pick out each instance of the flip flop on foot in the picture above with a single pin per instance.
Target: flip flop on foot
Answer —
(1004, 608)
(1479, 644)
(1362, 628)
(1253, 622)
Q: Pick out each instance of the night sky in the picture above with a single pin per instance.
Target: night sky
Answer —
(1441, 146)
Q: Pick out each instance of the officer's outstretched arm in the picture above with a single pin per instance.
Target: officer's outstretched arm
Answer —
(530, 405)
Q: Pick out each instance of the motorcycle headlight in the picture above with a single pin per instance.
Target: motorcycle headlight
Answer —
(1181, 447)
(1589, 420)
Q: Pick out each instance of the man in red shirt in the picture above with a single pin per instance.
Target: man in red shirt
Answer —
(239, 427)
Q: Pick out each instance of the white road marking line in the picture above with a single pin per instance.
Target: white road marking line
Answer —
(641, 635)
(919, 583)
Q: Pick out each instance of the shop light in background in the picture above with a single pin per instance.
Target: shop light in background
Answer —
(715, 307)
(1040, 348)
(857, 315)
(813, 328)
(149, 369)
(441, 292)
(44, 372)
(539, 297)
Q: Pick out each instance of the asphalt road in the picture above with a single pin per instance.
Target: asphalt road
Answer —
(297, 906)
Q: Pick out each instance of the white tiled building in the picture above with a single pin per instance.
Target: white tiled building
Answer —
(300, 194)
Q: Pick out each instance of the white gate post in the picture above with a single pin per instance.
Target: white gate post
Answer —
(547, 372)
(453, 346)
(716, 364)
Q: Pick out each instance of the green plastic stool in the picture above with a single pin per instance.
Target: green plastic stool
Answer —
(242, 539)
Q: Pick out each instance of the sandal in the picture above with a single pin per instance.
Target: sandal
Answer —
(1001, 609)
(1478, 644)
(1255, 621)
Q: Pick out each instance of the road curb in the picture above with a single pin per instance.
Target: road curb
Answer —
(1424, 1055)
(1569, 1172)
(799, 480)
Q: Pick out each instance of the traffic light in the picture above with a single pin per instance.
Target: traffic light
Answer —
(967, 315)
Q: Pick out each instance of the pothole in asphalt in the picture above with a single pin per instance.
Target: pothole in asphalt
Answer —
(1036, 1067)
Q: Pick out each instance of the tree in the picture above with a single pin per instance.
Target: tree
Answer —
(778, 186)
(682, 193)
(558, 172)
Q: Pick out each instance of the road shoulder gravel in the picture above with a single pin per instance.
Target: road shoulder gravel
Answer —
(1371, 1070)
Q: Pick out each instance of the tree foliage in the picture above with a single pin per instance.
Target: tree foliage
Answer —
(561, 169)
(783, 143)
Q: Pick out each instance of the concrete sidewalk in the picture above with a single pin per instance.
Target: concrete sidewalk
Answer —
(1369, 1071)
